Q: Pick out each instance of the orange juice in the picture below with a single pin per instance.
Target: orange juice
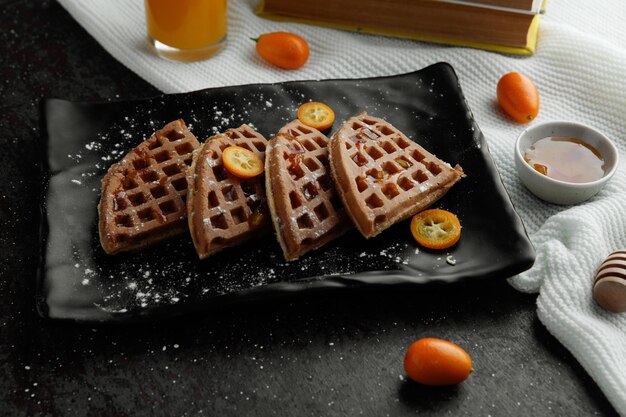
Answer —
(186, 29)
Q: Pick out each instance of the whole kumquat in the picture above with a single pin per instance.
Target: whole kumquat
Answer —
(437, 362)
(518, 96)
(283, 49)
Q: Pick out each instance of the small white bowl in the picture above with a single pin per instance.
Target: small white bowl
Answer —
(556, 191)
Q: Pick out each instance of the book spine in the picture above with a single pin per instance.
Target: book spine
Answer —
(418, 18)
(527, 49)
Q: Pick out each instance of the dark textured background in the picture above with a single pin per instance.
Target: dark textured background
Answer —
(332, 355)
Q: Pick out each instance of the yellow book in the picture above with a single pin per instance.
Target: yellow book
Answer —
(481, 26)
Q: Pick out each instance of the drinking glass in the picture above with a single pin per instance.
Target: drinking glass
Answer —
(186, 30)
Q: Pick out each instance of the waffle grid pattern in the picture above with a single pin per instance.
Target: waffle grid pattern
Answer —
(396, 164)
(312, 197)
(230, 207)
(151, 192)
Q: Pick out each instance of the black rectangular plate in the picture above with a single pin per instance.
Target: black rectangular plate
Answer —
(81, 140)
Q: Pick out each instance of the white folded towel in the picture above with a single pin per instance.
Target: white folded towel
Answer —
(580, 70)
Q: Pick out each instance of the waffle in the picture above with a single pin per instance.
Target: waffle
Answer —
(224, 210)
(382, 176)
(143, 195)
(306, 211)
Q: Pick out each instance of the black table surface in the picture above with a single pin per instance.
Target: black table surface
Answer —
(332, 354)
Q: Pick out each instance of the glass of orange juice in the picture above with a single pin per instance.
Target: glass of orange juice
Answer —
(186, 30)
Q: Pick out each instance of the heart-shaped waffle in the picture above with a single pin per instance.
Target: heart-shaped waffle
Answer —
(306, 210)
(143, 195)
(382, 176)
(224, 210)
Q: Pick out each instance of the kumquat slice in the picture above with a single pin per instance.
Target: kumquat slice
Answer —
(436, 228)
(317, 115)
(242, 162)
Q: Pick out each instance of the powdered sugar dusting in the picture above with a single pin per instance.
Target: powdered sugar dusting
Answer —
(171, 275)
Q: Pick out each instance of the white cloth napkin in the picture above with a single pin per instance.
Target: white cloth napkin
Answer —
(580, 70)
